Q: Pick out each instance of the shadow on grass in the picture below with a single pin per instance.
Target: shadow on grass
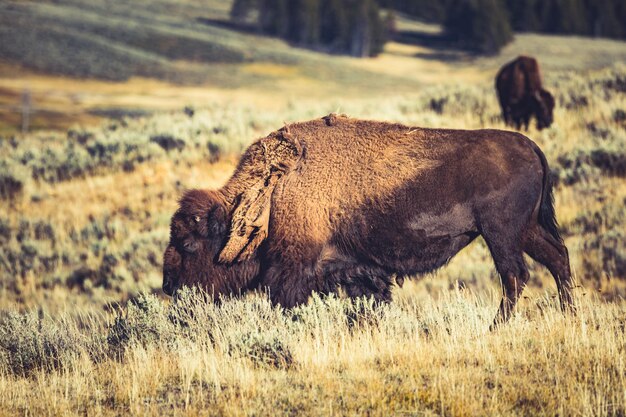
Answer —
(441, 46)
(230, 25)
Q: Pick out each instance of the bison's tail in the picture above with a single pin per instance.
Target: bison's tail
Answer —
(547, 215)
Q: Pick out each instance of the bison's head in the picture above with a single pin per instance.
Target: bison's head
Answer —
(544, 107)
(198, 232)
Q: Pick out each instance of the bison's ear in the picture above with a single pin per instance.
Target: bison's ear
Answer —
(217, 221)
(547, 97)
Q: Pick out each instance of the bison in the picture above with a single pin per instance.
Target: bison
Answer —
(521, 94)
(347, 203)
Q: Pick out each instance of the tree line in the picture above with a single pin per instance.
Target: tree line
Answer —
(486, 25)
(353, 27)
(359, 28)
(600, 18)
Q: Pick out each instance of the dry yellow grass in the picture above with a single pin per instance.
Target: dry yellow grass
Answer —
(419, 356)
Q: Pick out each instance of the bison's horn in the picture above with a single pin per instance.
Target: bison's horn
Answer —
(400, 280)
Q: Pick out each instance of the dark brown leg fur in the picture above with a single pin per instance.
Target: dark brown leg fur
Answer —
(503, 230)
(514, 276)
(546, 250)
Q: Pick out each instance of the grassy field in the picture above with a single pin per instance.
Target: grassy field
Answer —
(84, 220)
(417, 356)
(86, 198)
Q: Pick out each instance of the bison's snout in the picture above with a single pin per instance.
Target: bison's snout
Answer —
(168, 287)
(171, 265)
(169, 283)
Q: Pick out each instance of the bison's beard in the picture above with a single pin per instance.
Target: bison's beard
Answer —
(201, 269)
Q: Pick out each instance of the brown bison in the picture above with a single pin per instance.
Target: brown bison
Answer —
(521, 95)
(340, 202)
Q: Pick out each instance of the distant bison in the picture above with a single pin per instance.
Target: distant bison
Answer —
(521, 94)
(340, 202)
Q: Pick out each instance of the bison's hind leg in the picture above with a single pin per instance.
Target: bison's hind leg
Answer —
(548, 251)
(504, 239)
(506, 114)
(514, 275)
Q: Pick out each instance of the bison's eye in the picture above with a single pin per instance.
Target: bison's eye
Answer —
(192, 221)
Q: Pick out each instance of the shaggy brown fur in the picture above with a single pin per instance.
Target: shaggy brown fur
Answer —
(521, 94)
(358, 202)
(199, 250)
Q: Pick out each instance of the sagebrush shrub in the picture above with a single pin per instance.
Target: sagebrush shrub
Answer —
(13, 179)
(32, 341)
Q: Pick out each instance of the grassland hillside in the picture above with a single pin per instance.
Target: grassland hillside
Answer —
(80, 61)
(86, 197)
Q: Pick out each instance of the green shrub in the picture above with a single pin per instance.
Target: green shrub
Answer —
(13, 179)
(168, 142)
(266, 348)
(582, 165)
(33, 342)
(5, 230)
(455, 100)
(610, 216)
(144, 322)
(605, 255)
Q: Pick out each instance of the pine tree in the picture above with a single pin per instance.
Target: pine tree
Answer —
(366, 28)
(354, 27)
(525, 15)
(334, 30)
(303, 21)
(479, 25)
(429, 10)
(274, 17)
(241, 9)
(568, 16)
(604, 18)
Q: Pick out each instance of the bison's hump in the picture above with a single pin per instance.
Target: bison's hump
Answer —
(333, 118)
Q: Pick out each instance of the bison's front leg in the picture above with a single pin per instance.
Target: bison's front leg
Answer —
(506, 114)
(292, 283)
(526, 122)
(358, 279)
(360, 283)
